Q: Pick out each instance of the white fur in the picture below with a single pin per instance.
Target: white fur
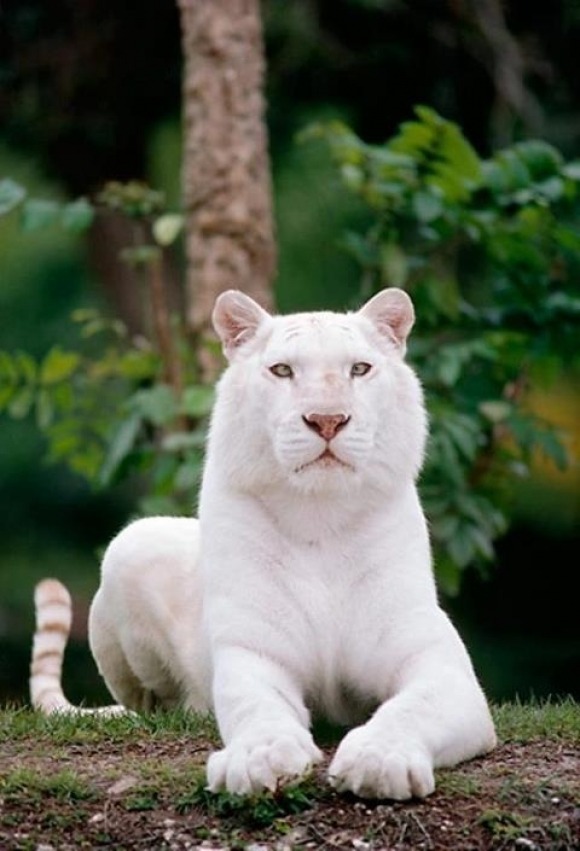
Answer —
(313, 592)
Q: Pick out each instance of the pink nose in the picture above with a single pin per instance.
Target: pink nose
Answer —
(326, 425)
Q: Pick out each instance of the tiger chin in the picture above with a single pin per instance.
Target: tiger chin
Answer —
(306, 585)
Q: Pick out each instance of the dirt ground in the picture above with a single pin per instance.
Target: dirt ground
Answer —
(150, 795)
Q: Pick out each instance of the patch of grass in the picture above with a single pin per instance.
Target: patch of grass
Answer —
(524, 722)
(521, 790)
(63, 821)
(23, 723)
(141, 801)
(516, 722)
(171, 774)
(513, 828)
(179, 723)
(560, 833)
(456, 782)
(153, 780)
(258, 810)
(26, 783)
(503, 825)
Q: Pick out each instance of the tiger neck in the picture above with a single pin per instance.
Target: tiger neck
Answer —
(314, 518)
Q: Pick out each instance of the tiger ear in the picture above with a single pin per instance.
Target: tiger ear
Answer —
(392, 313)
(236, 317)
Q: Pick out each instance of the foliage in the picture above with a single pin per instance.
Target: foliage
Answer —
(490, 252)
(488, 249)
(115, 404)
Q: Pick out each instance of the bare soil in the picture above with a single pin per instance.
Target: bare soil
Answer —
(149, 794)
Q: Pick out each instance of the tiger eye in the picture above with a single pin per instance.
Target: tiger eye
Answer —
(282, 370)
(360, 368)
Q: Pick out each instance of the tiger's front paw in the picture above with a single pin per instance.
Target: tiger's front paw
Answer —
(262, 760)
(372, 767)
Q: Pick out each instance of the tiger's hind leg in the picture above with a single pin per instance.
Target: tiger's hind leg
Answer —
(112, 663)
(145, 620)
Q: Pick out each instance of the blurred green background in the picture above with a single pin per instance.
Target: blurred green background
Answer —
(90, 91)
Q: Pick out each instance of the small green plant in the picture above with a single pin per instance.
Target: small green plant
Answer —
(505, 826)
(257, 810)
(142, 801)
(489, 250)
(116, 404)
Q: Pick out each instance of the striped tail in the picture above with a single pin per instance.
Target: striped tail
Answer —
(53, 609)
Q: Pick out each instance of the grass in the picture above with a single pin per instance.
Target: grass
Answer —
(22, 723)
(524, 722)
(516, 722)
(63, 785)
(130, 781)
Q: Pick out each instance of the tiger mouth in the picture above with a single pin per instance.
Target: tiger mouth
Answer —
(326, 460)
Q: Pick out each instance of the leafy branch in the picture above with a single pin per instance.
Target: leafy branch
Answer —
(490, 252)
(115, 405)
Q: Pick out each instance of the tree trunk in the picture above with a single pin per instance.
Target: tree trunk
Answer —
(226, 174)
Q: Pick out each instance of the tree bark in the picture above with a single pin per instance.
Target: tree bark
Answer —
(226, 174)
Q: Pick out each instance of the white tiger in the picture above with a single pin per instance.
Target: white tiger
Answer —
(306, 587)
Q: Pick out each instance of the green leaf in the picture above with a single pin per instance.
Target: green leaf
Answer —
(78, 216)
(442, 152)
(8, 369)
(388, 162)
(6, 393)
(156, 404)
(159, 504)
(352, 175)
(495, 177)
(138, 364)
(11, 195)
(58, 366)
(448, 576)
(189, 475)
(26, 367)
(22, 403)
(563, 303)
(495, 410)
(465, 434)
(483, 542)
(44, 410)
(427, 206)
(541, 159)
(181, 441)
(553, 448)
(572, 170)
(87, 461)
(167, 228)
(461, 546)
(449, 366)
(553, 188)
(119, 448)
(197, 401)
(445, 527)
(38, 213)
(516, 173)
